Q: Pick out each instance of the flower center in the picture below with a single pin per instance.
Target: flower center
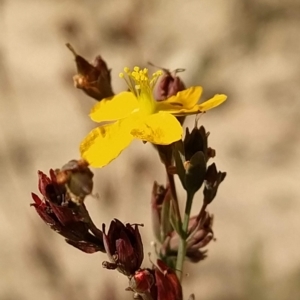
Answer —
(142, 87)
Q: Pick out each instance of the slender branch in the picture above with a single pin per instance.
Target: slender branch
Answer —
(202, 212)
(174, 198)
(182, 243)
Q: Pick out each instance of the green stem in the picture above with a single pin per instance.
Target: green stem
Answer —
(184, 236)
(175, 205)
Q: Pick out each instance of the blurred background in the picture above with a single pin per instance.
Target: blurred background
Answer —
(247, 49)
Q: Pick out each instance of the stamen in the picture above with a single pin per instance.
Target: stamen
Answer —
(138, 80)
(132, 84)
(128, 80)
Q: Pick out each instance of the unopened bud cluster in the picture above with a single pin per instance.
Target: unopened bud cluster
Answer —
(191, 157)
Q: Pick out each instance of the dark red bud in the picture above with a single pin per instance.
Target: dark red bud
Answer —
(63, 216)
(200, 233)
(124, 246)
(44, 180)
(213, 179)
(169, 85)
(195, 141)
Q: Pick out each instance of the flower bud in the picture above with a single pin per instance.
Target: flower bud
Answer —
(199, 235)
(213, 179)
(94, 80)
(169, 85)
(191, 157)
(195, 141)
(59, 212)
(124, 247)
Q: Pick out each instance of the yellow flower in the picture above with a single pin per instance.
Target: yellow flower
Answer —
(136, 115)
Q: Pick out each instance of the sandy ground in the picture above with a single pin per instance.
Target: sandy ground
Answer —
(246, 49)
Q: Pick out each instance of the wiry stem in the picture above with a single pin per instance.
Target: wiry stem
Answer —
(182, 244)
(175, 205)
(202, 212)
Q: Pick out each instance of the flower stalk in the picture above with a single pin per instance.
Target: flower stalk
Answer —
(183, 238)
(174, 200)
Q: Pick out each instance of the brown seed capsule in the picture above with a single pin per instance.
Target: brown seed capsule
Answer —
(77, 178)
(94, 80)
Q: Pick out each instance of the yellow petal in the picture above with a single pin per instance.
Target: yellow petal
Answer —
(213, 102)
(160, 128)
(185, 99)
(204, 106)
(105, 143)
(115, 108)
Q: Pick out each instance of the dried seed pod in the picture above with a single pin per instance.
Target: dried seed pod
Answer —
(94, 79)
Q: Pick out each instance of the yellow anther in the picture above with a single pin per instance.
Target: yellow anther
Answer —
(139, 81)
